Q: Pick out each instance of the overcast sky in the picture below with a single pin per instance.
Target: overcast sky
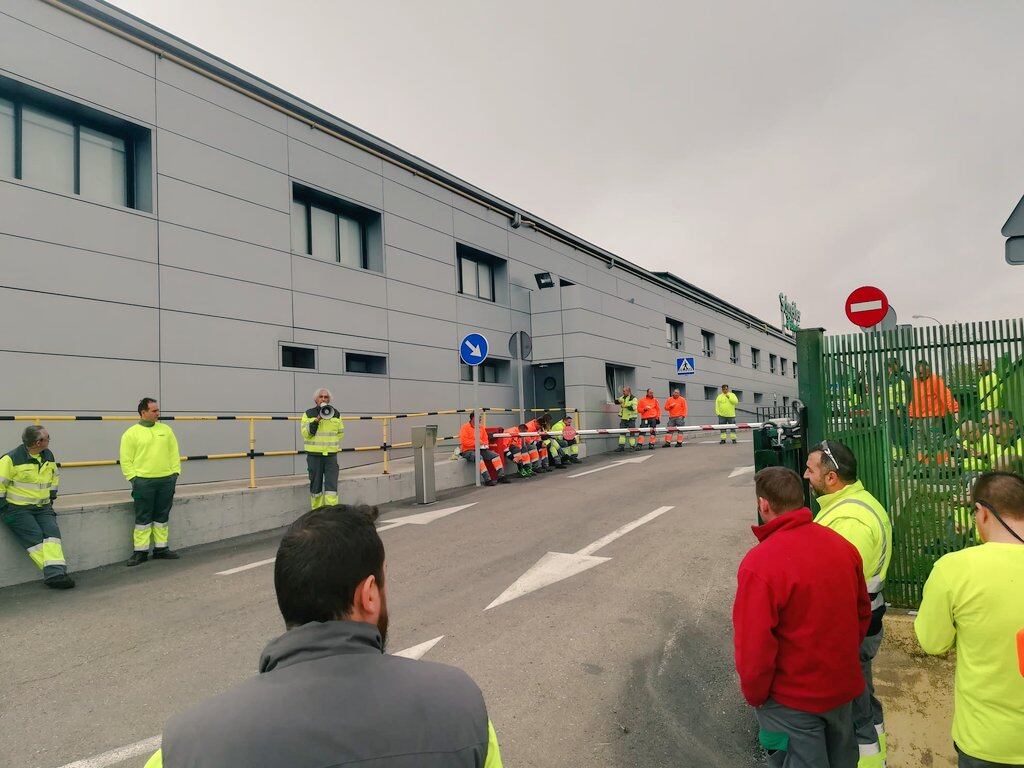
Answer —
(749, 147)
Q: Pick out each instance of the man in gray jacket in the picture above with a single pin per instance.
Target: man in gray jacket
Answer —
(327, 695)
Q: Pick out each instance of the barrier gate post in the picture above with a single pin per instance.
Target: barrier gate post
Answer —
(423, 441)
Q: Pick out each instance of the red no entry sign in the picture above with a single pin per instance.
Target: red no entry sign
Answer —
(866, 306)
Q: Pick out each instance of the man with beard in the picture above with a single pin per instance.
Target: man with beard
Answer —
(327, 694)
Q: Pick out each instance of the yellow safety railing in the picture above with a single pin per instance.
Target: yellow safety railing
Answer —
(252, 454)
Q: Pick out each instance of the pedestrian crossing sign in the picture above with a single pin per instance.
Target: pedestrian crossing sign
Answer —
(685, 366)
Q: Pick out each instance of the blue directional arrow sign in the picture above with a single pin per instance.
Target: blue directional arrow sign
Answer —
(473, 349)
(685, 366)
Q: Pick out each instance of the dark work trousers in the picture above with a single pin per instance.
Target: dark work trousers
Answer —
(153, 497)
(867, 709)
(36, 529)
(966, 761)
(323, 479)
(796, 739)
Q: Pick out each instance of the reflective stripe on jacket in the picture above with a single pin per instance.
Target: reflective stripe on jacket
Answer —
(27, 480)
(149, 450)
(321, 437)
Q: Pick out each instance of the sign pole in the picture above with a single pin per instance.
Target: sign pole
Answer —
(476, 425)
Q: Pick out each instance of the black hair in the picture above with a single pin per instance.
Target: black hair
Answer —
(845, 464)
(1002, 490)
(144, 403)
(323, 557)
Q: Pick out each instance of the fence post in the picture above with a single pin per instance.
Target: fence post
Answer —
(252, 452)
(810, 356)
(384, 442)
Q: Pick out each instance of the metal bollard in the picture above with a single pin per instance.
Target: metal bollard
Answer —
(423, 441)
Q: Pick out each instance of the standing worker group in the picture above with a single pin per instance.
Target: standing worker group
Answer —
(627, 418)
(28, 487)
(725, 410)
(650, 417)
(676, 409)
(322, 432)
(151, 463)
(852, 512)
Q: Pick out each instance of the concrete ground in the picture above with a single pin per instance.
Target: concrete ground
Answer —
(627, 663)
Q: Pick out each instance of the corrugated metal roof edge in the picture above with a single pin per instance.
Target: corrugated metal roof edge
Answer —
(149, 33)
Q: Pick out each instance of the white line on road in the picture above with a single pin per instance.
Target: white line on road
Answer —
(421, 518)
(419, 651)
(866, 306)
(619, 463)
(555, 566)
(741, 471)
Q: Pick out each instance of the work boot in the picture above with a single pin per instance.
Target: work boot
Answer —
(651, 447)
(60, 582)
(561, 465)
(621, 448)
(679, 445)
(502, 479)
(137, 558)
(575, 459)
(488, 482)
(164, 553)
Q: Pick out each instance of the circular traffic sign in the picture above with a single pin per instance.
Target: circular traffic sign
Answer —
(866, 306)
(473, 349)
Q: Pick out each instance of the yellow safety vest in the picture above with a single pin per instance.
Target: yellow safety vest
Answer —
(327, 437)
(988, 392)
(725, 405)
(627, 408)
(149, 450)
(27, 480)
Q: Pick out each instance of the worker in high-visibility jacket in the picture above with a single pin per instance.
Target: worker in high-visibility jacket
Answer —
(511, 449)
(321, 441)
(1002, 446)
(852, 512)
(28, 486)
(467, 450)
(725, 410)
(150, 461)
(627, 418)
(568, 442)
(990, 394)
(676, 408)
(650, 417)
(556, 457)
(538, 453)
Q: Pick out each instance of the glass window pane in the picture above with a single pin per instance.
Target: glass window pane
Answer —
(486, 285)
(325, 233)
(350, 238)
(468, 268)
(466, 373)
(102, 162)
(6, 138)
(48, 151)
(300, 235)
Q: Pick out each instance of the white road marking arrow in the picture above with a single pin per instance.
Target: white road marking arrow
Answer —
(619, 463)
(741, 471)
(419, 651)
(555, 566)
(422, 518)
(473, 349)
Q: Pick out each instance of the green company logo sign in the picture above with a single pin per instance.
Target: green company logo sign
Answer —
(790, 314)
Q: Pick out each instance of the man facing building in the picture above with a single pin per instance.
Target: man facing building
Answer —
(725, 410)
(151, 463)
(676, 409)
(28, 487)
(321, 440)
(973, 600)
(849, 510)
(326, 693)
(801, 610)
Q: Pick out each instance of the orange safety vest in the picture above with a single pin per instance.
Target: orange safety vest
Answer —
(649, 408)
(676, 407)
(931, 398)
(466, 437)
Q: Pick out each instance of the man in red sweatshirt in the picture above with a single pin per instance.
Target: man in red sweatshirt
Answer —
(801, 612)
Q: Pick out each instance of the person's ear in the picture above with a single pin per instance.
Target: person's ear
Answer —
(762, 507)
(982, 515)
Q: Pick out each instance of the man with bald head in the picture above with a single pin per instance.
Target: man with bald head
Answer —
(322, 432)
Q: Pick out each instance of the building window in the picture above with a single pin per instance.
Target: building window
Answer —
(783, 363)
(771, 363)
(303, 358)
(738, 393)
(734, 352)
(616, 377)
(758, 398)
(476, 272)
(755, 358)
(490, 372)
(672, 387)
(794, 369)
(332, 229)
(710, 393)
(674, 333)
(707, 343)
(68, 148)
(358, 362)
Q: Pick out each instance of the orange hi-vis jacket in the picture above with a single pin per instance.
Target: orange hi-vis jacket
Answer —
(648, 408)
(676, 407)
(931, 398)
(466, 437)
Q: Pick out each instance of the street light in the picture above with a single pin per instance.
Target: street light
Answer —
(927, 317)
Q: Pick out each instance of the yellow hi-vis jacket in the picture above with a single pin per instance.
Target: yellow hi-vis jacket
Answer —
(27, 480)
(725, 405)
(859, 518)
(149, 450)
(323, 437)
(627, 407)
(989, 395)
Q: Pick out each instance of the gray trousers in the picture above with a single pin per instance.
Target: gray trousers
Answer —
(966, 761)
(867, 709)
(796, 739)
(728, 420)
(35, 528)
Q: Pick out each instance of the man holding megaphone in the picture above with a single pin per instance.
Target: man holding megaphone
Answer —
(322, 433)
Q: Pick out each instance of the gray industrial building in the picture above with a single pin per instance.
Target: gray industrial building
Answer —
(173, 226)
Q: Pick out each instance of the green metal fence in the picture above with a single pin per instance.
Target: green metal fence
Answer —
(925, 410)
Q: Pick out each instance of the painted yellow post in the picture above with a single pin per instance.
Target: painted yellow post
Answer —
(252, 449)
(384, 428)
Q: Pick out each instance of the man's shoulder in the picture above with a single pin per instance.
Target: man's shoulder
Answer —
(311, 412)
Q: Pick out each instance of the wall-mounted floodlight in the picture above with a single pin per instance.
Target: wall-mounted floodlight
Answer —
(544, 280)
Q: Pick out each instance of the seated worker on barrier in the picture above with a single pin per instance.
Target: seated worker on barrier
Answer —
(568, 443)
(532, 446)
(327, 694)
(487, 456)
(28, 487)
(676, 409)
(650, 416)
(550, 442)
(971, 452)
(511, 449)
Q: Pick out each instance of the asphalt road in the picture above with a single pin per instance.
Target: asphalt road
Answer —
(626, 663)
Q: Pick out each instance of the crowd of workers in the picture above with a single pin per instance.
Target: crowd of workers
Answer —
(808, 618)
(648, 412)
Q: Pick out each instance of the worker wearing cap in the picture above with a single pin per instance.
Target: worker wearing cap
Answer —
(650, 416)
(568, 443)
(676, 409)
(321, 441)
